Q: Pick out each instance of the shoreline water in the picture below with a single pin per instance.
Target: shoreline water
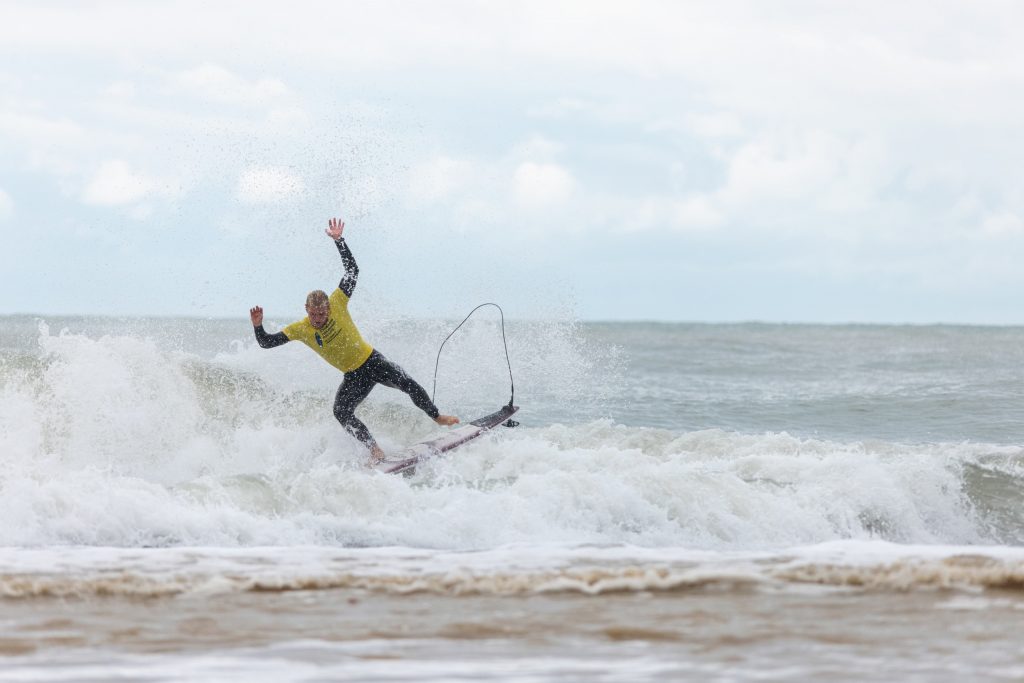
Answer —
(701, 633)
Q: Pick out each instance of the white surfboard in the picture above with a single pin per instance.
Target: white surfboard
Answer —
(410, 457)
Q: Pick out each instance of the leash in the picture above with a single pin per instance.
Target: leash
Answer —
(511, 400)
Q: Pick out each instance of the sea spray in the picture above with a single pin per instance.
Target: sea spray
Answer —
(129, 440)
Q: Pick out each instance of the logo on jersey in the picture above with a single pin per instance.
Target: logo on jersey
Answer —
(319, 340)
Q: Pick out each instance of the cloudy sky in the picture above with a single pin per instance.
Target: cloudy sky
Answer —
(719, 161)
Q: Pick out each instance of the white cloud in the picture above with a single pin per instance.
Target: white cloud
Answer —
(714, 125)
(773, 169)
(537, 148)
(213, 82)
(797, 182)
(607, 110)
(269, 185)
(695, 213)
(649, 213)
(33, 128)
(538, 185)
(1002, 223)
(439, 178)
(65, 146)
(115, 183)
(477, 189)
(787, 59)
(562, 108)
(140, 212)
(288, 117)
(120, 90)
(6, 205)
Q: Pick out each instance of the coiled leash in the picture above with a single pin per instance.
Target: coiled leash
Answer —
(511, 400)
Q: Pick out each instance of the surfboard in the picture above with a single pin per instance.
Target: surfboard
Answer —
(410, 457)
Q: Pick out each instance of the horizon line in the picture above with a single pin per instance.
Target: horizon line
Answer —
(583, 320)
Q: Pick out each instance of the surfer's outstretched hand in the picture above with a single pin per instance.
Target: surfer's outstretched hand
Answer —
(256, 316)
(446, 420)
(336, 227)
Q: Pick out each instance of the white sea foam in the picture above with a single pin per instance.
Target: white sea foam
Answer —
(116, 440)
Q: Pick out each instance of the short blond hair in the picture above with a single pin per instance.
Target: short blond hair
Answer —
(317, 299)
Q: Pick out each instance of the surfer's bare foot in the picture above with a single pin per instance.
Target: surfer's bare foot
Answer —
(446, 420)
(376, 455)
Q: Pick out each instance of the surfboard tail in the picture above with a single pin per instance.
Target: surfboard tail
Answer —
(454, 438)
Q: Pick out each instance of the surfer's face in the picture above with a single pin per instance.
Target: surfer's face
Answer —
(318, 315)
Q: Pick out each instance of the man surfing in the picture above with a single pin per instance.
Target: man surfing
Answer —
(328, 329)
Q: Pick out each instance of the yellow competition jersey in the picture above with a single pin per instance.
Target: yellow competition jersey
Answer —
(338, 342)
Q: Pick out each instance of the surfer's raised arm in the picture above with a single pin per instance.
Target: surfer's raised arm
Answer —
(348, 280)
(265, 340)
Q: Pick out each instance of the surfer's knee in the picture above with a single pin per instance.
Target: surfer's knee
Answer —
(343, 413)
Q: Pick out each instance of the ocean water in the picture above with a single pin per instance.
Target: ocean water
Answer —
(680, 502)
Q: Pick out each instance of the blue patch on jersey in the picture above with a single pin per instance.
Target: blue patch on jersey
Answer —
(319, 340)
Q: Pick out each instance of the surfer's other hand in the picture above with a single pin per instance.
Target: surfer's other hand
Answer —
(446, 420)
(256, 316)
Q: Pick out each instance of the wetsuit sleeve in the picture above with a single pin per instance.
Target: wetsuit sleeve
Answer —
(269, 341)
(348, 280)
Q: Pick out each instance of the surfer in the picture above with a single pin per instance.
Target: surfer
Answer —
(328, 329)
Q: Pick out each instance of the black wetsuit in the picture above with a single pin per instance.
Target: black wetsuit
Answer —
(358, 383)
